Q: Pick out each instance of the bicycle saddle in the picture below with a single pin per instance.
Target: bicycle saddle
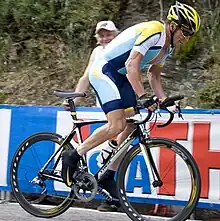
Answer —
(67, 94)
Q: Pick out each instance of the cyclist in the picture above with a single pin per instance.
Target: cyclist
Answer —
(105, 32)
(116, 78)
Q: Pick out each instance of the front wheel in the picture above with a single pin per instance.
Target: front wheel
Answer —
(145, 197)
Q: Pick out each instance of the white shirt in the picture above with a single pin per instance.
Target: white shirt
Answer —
(97, 54)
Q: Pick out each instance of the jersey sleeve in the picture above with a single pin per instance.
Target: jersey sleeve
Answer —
(145, 41)
(148, 37)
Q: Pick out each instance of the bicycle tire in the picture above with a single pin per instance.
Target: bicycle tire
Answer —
(123, 182)
(22, 197)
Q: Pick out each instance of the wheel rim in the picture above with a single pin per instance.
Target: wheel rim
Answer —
(133, 187)
(35, 198)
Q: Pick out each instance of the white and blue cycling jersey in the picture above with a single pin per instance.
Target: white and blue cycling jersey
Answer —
(108, 75)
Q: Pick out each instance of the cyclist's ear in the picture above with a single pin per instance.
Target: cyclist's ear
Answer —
(172, 26)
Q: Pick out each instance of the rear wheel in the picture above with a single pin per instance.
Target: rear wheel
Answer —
(143, 197)
(34, 188)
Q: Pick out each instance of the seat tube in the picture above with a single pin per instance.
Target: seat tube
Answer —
(72, 109)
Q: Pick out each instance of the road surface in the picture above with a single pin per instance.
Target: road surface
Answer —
(13, 212)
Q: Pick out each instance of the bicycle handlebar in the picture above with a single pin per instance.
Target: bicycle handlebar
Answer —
(170, 101)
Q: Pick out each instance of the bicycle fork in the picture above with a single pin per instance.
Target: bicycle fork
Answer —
(149, 158)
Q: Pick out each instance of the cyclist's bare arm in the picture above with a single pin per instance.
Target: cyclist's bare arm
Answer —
(154, 78)
(134, 75)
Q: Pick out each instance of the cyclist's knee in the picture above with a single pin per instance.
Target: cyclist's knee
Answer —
(117, 127)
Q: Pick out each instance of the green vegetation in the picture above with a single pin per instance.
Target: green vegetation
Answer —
(27, 25)
(209, 97)
(189, 50)
(207, 42)
(3, 97)
(47, 43)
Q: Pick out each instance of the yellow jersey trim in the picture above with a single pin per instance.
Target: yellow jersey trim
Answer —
(147, 30)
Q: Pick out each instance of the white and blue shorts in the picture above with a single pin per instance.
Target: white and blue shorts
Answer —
(113, 89)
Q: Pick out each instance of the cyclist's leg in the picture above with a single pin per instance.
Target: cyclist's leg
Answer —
(122, 136)
(106, 85)
(128, 102)
(128, 98)
(108, 181)
(116, 124)
(129, 126)
(111, 129)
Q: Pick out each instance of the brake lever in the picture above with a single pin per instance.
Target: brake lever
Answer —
(180, 115)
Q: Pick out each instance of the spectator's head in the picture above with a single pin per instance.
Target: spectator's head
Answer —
(105, 32)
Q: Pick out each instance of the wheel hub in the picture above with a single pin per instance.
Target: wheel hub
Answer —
(157, 183)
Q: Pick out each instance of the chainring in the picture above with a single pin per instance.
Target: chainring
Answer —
(85, 187)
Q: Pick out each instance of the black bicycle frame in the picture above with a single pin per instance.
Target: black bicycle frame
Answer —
(137, 133)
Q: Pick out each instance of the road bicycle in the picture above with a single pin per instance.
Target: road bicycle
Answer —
(153, 170)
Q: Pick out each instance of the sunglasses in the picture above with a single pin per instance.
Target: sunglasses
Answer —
(187, 33)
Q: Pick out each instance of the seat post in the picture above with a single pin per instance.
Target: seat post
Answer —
(72, 108)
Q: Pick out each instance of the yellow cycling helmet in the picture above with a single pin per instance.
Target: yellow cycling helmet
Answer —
(184, 15)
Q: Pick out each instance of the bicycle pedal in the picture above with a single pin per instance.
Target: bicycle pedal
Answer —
(105, 194)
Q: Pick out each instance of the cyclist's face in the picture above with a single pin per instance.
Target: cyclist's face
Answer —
(180, 38)
(105, 36)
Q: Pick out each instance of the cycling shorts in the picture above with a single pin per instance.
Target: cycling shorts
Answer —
(113, 89)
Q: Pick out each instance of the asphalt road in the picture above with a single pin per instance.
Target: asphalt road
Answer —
(13, 212)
